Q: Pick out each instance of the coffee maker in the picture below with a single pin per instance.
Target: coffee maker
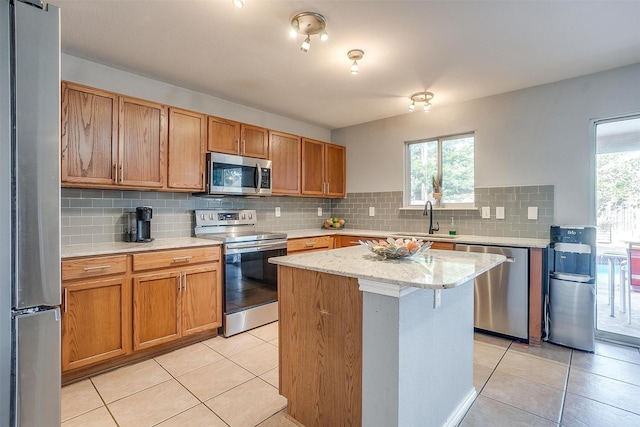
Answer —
(143, 223)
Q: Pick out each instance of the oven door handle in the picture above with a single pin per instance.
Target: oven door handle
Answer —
(238, 248)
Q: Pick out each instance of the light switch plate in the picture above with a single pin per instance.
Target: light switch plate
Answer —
(500, 212)
(277, 211)
(372, 211)
(319, 211)
(486, 212)
(532, 212)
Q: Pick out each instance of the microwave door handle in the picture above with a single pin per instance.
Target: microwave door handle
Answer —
(258, 178)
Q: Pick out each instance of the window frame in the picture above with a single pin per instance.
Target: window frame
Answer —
(406, 196)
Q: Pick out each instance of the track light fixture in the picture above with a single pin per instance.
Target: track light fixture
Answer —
(308, 24)
(425, 97)
(355, 55)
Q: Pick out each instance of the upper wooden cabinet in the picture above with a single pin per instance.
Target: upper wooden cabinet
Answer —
(285, 155)
(89, 138)
(323, 169)
(110, 140)
(142, 139)
(223, 136)
(229, 137)
(187, 139)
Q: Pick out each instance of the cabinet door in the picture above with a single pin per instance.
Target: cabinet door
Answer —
(285, 156)
(142, 142)
(187, 133)
(313, 183)
(336, 165)
(89, 126)
(156, 309)
(255, 141)
(223, 136)
(201, 299)
(96, 321)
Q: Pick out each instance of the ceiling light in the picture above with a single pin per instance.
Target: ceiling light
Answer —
(425, 97)
(308, 24)
(306, 44)
(355, 55)
(238, 3)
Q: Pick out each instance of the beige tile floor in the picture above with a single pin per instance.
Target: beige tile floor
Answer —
(233, 382)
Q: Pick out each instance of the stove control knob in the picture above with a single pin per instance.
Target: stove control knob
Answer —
(244, 216)
(211, 217)
(202, 216)
(250, 216)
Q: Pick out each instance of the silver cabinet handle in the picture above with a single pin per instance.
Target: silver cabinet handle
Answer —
(121, 174)
(97, 267)
(328, 184)
(180, 283)
(115, 172)
(309, 244)
(66, 299)
(182, 258)
(184, 283)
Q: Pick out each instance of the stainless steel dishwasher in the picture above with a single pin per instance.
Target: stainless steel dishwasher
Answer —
(501, 295)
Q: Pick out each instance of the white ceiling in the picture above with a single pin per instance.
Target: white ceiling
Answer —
(460, 50)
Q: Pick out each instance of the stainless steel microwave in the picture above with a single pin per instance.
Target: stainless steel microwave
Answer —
(237, 175)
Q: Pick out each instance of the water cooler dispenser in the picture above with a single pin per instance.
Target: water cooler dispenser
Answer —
(571, 303)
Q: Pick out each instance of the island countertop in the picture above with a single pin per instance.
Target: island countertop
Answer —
(433, 269)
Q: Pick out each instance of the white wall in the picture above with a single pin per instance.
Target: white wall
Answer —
(89, 73)
(536, 136)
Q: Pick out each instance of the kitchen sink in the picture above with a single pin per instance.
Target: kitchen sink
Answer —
(427, 235)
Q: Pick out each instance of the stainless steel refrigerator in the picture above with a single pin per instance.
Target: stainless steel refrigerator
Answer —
(29, 214)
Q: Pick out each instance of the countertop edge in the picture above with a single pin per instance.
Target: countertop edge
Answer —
(121, 248)
(293, 262)
(467, 239)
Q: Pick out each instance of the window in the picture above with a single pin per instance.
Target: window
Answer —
(450, 158)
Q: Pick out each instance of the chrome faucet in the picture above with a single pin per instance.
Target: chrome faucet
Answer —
(428, 211)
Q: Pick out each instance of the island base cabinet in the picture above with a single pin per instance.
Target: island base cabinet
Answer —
(417, 355)
(321, 358)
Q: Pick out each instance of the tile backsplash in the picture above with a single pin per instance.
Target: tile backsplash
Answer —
(515, 200)
(94, 216)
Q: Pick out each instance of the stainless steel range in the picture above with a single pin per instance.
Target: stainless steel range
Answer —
(250, 294)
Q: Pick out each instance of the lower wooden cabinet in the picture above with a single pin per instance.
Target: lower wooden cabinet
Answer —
(115, 306)
(173, 304)
(96, 321)
(308, 244)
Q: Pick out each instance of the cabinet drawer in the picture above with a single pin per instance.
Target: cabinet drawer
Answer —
(443, 246)
(91, 267)
(175, 258)
(310, 244)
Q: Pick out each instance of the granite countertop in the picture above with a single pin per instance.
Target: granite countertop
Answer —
(433, 269)
(114, 248)
(466, 239)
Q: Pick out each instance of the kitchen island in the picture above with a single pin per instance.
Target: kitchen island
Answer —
(372, 342)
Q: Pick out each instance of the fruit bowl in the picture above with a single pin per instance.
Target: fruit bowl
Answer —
(396, 248)
(333, 223)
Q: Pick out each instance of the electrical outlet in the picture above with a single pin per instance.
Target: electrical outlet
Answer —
(277, 211)
(500, 212)
(319, 211)
(532, 212)
(486, 212)
(372, 211)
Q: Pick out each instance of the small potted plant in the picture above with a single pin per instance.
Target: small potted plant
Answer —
(436, 182)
